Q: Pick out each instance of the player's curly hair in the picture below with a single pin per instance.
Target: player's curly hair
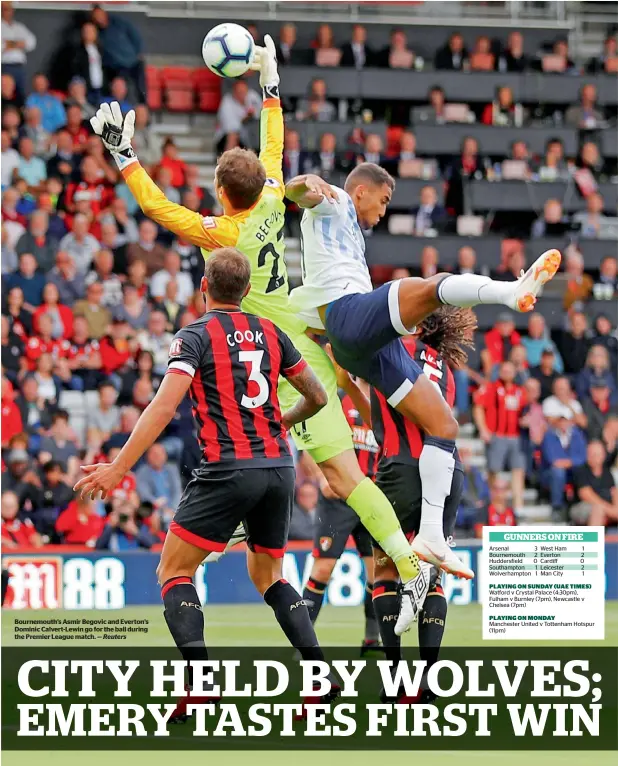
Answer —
(450, 331)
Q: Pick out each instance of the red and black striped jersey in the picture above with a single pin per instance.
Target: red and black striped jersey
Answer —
(235, 360)
(400, 439)
(365, 445)
(503, 404)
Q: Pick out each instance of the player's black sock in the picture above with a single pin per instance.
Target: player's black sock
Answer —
(372, 632)
(293, 616)
(313, 596)
(185, 619)
(386, 607)
(431, 625)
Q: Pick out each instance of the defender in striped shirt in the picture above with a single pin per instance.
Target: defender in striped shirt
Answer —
(230, 363)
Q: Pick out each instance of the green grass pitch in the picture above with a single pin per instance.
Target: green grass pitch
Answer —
(254, 624)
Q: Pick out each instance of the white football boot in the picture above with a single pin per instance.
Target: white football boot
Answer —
(529, 285)
(413, 595)
(438, 553)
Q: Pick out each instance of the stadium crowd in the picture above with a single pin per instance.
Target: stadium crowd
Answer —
(93, 291)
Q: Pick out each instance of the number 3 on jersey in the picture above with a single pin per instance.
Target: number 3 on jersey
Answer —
(255, 374)
(276, 280)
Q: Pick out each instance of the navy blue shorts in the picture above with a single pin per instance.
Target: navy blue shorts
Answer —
(365, 332)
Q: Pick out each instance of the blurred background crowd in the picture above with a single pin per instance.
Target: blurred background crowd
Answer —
(92, 291)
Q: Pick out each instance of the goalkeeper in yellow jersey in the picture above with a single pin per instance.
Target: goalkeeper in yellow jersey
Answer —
(251, 191)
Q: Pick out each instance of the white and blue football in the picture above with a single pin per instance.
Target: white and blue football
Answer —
(228, 50)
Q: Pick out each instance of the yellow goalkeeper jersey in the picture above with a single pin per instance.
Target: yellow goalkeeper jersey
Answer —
(256, 232)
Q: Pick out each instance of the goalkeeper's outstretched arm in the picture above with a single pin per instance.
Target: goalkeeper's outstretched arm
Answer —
(116, 133)
(271, 119)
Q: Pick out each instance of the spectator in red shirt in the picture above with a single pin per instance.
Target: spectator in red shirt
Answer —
(79, 523)
(61, 316)
(497, 513)
(117, 347)
(84, 356)
(192, 173)
(499, 342)
(75, 127)
(11, 416)
(16, 533)
(45, 343)
(10, 198)
(172, 160)
(497, 411)
(92, 181)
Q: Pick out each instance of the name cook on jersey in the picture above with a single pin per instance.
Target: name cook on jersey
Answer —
(232, 339)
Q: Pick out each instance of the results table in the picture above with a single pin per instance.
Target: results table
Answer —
(543, 583)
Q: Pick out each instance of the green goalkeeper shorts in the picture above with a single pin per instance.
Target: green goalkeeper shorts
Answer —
(326, 434)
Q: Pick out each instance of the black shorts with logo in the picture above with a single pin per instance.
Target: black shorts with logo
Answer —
(401, 483)
(215, 502)
(336, 522)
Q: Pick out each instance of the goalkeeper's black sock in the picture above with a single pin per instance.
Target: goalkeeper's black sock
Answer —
(185, 619)
(372, 631)
(386, 608)
(313, 596)
(431, 625)
(293, 616)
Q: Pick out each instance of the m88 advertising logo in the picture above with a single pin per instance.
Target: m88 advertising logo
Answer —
(49, 582)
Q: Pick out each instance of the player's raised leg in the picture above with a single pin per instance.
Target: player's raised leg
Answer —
(420, 297)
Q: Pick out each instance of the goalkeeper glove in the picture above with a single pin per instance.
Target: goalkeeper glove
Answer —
(116, 132)
(265, 62)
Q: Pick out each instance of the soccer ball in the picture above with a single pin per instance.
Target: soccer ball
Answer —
(228, 50)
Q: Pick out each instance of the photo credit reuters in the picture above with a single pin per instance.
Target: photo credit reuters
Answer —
(309, 431)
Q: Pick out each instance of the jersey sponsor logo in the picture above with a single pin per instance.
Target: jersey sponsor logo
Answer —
(248, 335)
(176, 347)
(209, 222)
(272, 182)
(326, 543)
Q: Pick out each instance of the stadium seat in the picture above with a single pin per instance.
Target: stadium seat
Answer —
(401, 224)
(73, 401)
(153, 88)
(208, 89)
(179, 88)
(470, 225)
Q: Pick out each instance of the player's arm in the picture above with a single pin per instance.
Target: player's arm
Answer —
(271, 118)
(313, 398)
(309, 190)
(116, 133)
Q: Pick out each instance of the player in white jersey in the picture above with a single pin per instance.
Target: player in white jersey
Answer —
(365, 325)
